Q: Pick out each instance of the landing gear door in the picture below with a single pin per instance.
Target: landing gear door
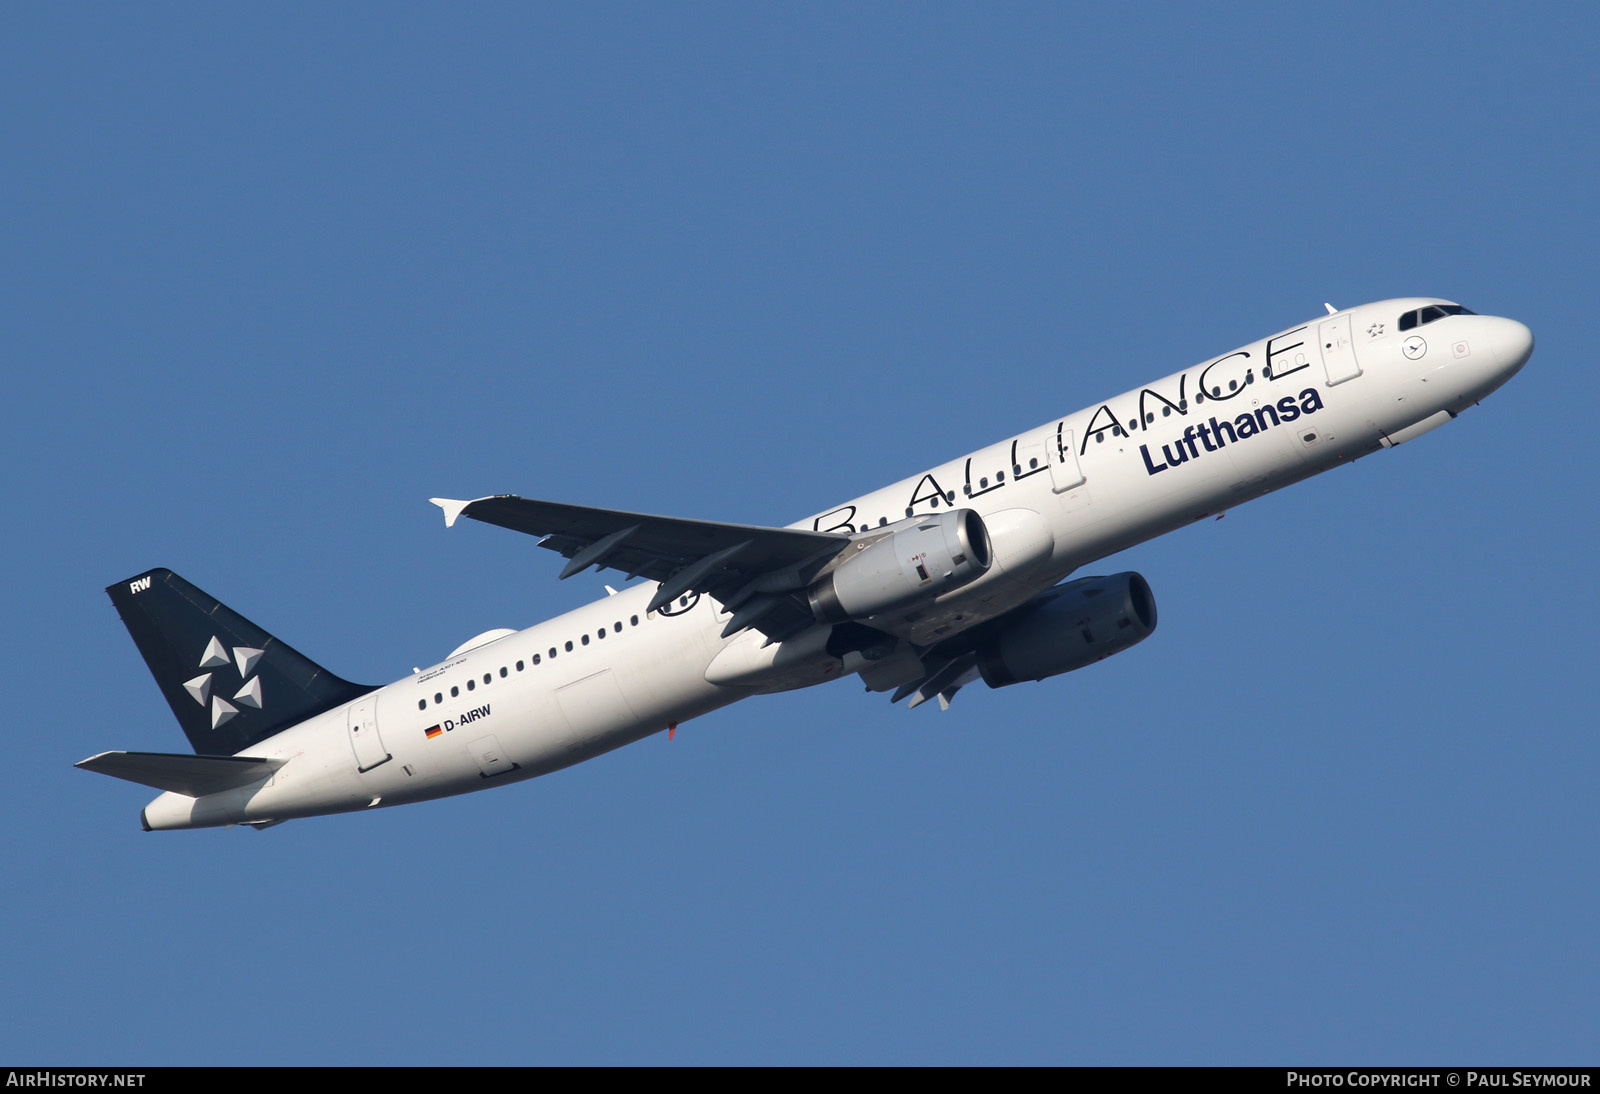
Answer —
(364, 739)
(1338, 350)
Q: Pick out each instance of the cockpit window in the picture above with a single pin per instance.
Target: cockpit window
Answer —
(1432, 312)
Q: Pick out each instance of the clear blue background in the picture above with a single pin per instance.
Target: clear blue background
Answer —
(273, 276)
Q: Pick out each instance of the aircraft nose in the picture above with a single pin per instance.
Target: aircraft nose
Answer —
(1512, 341)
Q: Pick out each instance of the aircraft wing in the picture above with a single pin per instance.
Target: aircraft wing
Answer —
(755, 572)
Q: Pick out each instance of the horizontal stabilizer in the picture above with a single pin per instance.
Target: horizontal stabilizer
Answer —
(195, 776)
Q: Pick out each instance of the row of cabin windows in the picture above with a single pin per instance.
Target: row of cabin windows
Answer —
(949, 496)
(1410, 319)
(1183, 404)
(488, 677)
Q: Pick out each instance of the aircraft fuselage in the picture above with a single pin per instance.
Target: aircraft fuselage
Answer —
(1054, 498)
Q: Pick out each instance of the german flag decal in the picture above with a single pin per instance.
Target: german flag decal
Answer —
(433, 731)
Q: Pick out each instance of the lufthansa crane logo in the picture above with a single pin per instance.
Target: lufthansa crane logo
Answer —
(216, 656)
(1414, 347)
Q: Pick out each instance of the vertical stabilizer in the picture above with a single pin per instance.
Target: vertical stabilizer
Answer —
(229, 682)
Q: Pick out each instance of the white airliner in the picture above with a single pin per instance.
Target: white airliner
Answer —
(919, 588)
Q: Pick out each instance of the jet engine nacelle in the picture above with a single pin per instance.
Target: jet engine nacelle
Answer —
(908, 566)
(1068, 627)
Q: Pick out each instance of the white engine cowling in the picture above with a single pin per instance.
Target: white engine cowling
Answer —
(905, 567)
(1068, 627)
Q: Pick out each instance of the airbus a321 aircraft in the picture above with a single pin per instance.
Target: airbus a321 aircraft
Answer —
(920, 588)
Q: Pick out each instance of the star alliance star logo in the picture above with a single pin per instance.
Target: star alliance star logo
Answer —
(216, 657)
(1374, 330)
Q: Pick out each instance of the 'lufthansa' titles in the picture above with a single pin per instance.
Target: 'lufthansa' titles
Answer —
(1218, 433)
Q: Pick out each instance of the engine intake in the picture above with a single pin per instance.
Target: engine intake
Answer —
(905, 567)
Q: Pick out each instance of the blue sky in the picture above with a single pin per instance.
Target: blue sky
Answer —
(274, 276)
